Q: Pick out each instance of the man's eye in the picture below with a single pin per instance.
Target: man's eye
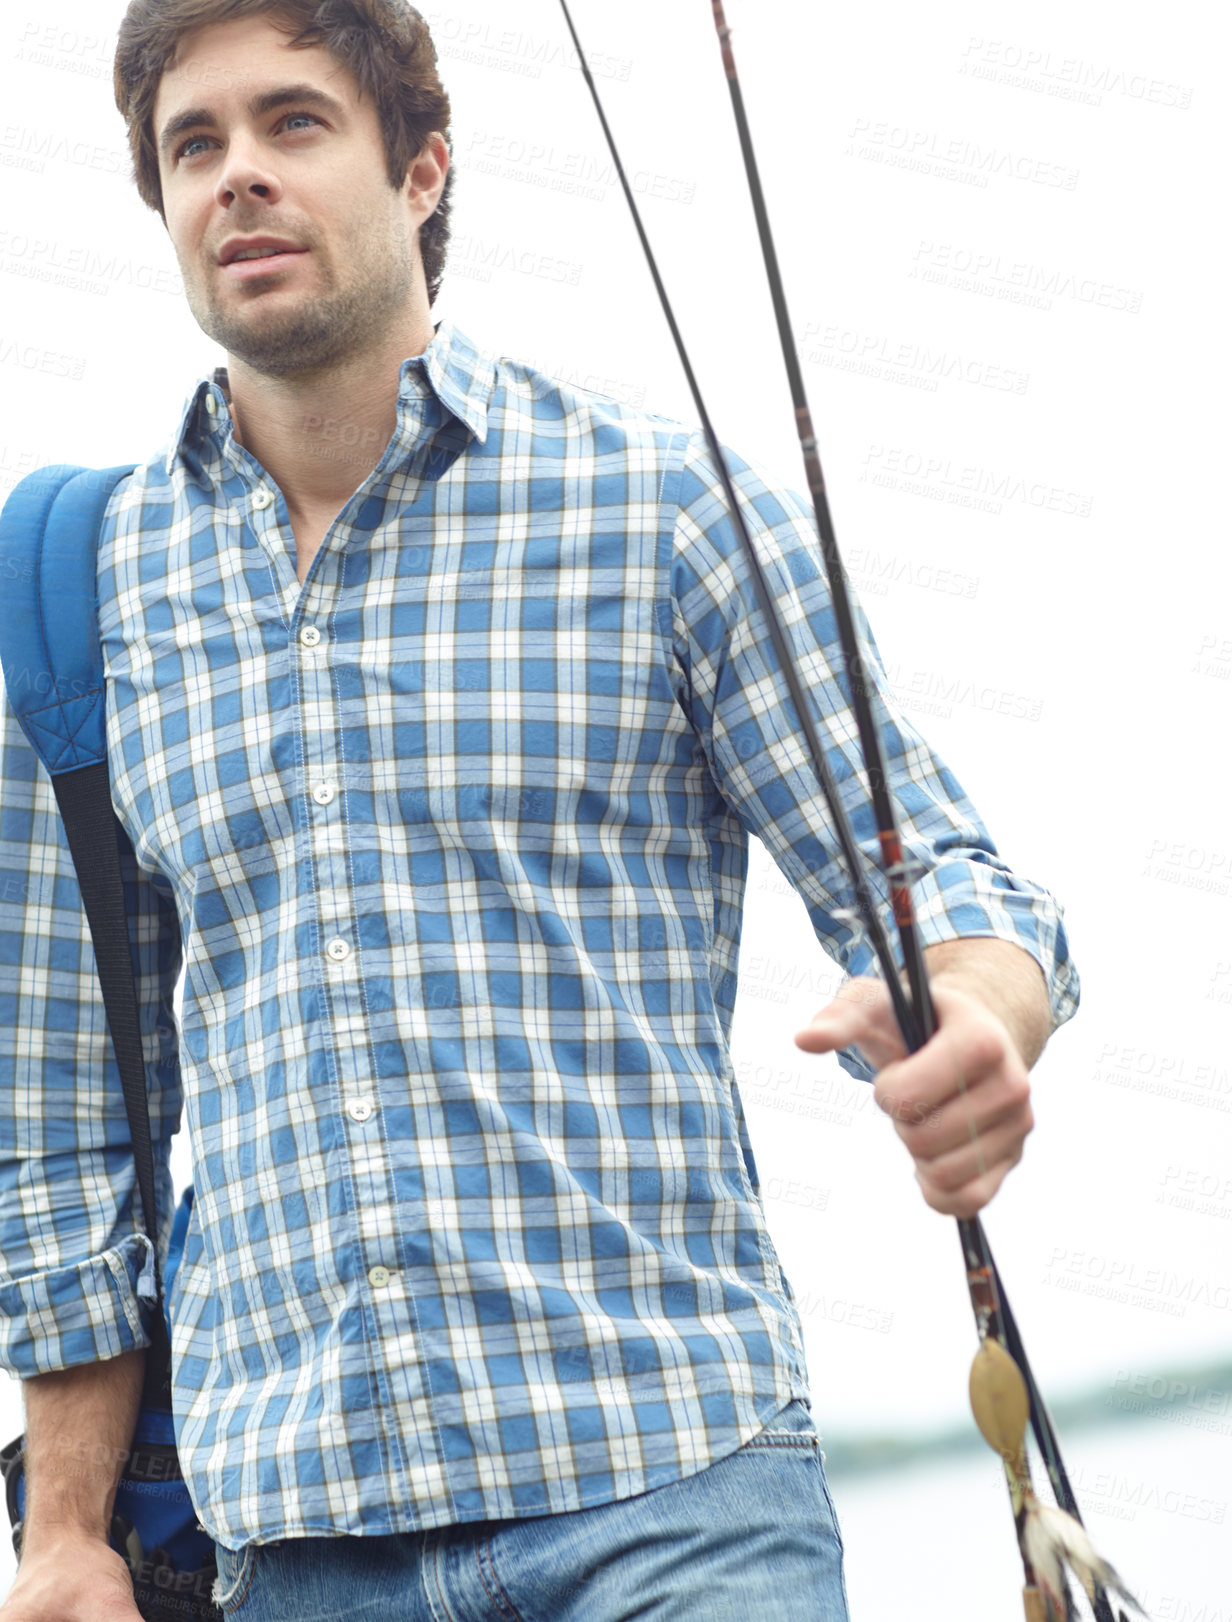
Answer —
(185, 151)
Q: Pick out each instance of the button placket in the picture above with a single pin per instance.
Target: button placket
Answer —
(339, 923)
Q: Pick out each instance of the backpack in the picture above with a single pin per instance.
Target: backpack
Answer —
(53, 666)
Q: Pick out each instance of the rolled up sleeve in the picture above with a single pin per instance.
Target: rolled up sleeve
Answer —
(759, 757)
(76, 1267)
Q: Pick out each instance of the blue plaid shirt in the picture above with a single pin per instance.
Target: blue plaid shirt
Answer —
(455, 836)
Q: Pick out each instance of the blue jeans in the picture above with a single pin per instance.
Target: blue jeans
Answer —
(752, 1538)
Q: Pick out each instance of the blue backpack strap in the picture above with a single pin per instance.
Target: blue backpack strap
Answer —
(49, 642)
(53, 667)
(53, 670)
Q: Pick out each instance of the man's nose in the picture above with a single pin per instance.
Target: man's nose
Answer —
(245, 173)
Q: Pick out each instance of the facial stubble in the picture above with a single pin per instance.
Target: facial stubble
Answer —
(278, 333)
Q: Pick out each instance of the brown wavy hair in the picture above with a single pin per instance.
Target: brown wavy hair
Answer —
(385, 44)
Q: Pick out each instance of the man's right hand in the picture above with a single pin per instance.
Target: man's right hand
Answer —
(79, 1428)
(72, 1577)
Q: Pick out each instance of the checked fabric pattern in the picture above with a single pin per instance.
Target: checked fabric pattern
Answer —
(456, 837)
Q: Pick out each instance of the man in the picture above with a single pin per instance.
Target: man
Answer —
(441, 739)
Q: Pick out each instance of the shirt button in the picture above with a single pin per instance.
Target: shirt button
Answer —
(262, 499)
(339, 950)
(360, 1109)
(310, 636)
(325, 793)
(378, 1277)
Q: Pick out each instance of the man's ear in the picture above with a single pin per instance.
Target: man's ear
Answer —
(426, 175)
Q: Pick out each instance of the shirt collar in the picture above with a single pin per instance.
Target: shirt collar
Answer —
(458, 373)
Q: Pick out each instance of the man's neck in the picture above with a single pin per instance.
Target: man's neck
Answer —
(320, 435)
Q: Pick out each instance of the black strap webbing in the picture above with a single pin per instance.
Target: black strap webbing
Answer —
(84, 798)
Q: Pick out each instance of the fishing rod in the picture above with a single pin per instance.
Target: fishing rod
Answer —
(1003, 1388)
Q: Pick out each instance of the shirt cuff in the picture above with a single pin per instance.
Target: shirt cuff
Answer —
(961, 900)
(87, 1313)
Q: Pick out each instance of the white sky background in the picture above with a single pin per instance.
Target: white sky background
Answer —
(1065, 641)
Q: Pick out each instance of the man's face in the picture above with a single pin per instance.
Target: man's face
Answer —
(258, 166)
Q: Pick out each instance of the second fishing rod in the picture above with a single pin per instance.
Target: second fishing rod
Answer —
(915, 1015)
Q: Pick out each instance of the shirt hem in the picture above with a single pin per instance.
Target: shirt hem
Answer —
(777, 1398)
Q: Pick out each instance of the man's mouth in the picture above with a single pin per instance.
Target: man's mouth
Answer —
(267, 263)
(243, 258)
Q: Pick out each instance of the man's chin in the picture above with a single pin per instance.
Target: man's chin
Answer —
(277, 346)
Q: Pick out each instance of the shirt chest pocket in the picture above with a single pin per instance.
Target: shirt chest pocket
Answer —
(493, 678)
